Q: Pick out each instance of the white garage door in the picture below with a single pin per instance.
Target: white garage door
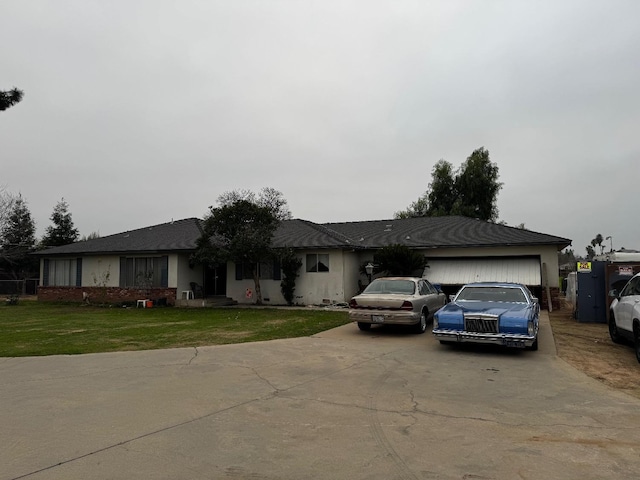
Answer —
(459, 271)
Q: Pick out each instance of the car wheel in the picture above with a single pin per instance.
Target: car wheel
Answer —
(534, 346)
(421, 326)
(613, 330)
(364, 326)
(636, 342)
(445, 342)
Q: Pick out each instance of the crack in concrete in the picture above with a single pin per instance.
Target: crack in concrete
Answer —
(417, 411)
(195, 355)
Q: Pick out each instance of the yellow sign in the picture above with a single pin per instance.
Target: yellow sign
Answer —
(584, 266)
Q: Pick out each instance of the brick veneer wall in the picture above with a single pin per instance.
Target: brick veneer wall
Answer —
(555, 298)
(105, 294)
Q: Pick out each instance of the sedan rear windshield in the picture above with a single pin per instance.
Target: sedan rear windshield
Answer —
(404, 287)
(491, 294)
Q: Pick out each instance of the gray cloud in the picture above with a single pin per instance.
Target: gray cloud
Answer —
(139, 112)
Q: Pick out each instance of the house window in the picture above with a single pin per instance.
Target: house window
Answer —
(266, 271)
(317, 262)
(62, 272)
(144, 272)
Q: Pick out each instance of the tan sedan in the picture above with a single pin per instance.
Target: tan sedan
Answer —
(398, 301)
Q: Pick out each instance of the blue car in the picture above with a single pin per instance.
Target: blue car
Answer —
(493, 313)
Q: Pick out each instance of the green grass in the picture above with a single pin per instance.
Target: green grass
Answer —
(36, 328)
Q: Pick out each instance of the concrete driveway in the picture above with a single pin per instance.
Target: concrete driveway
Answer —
(343, 404)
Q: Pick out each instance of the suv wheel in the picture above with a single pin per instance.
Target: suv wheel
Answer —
(613, 329)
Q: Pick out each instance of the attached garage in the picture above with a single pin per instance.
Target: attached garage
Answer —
(461, 250)
(459, 271)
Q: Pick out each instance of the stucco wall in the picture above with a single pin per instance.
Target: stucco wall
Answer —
(317, 288)
(351, 273)
(181, 275)
(312, 288)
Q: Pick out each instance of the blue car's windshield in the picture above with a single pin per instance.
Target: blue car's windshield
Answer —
(491, 294)
(404, 287)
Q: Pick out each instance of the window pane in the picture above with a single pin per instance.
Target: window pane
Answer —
(144, 272)
(247, 271)
(312, 262)
(266, 270)
(323, 263)
(62, 273)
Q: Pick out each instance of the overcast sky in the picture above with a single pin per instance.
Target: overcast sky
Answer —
(139, 112)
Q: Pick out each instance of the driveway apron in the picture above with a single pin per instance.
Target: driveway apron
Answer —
(383, 404)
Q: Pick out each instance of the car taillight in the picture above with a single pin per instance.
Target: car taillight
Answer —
(406, 305)
(353, 303)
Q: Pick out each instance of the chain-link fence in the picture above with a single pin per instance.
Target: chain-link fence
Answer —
(19, 287)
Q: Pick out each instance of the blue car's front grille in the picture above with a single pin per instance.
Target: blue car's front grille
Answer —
(481, 323)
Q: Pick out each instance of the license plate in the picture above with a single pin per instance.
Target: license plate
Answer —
(377, 318)
(513, 343)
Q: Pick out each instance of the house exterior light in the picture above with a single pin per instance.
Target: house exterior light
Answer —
(369, 269)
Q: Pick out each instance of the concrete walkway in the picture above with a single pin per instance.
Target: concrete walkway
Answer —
(343, 404)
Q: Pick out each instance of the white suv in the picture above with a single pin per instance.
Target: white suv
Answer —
(624, 317)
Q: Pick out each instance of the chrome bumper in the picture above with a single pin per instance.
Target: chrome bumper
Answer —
(505, 339)
(384, 317)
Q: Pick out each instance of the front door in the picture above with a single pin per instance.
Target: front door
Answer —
(215, 281)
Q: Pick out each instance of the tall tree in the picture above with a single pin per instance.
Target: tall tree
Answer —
(62, 232)
(6, 205)
(567, 256)
(471, 191)
(241, 230)
(442, 192)
(477, 187)
(598, 239)
(10, 98)
(268, 197)
(17, 240)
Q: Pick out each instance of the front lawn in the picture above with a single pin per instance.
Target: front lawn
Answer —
(38, 328)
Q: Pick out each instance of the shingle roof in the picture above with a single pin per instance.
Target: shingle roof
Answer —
(434, 232)
(422, 232)
(180, 235)
(305, 234)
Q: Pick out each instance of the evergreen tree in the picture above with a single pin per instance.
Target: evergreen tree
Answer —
(62, 232)
(17, 240)
(10, 98)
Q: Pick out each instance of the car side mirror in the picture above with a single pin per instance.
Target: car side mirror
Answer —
(451, 297)
(614, 293)
(535, 299)
(438, 287)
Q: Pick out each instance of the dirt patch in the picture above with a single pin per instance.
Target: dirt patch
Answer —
(588, 347)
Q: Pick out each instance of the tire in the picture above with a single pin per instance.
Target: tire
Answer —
(364, 326)
(636, 342)
(421, 326)
(534, 346)
(445, 342)
(613, 330)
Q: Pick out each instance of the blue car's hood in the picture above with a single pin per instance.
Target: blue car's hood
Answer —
(491, 308)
